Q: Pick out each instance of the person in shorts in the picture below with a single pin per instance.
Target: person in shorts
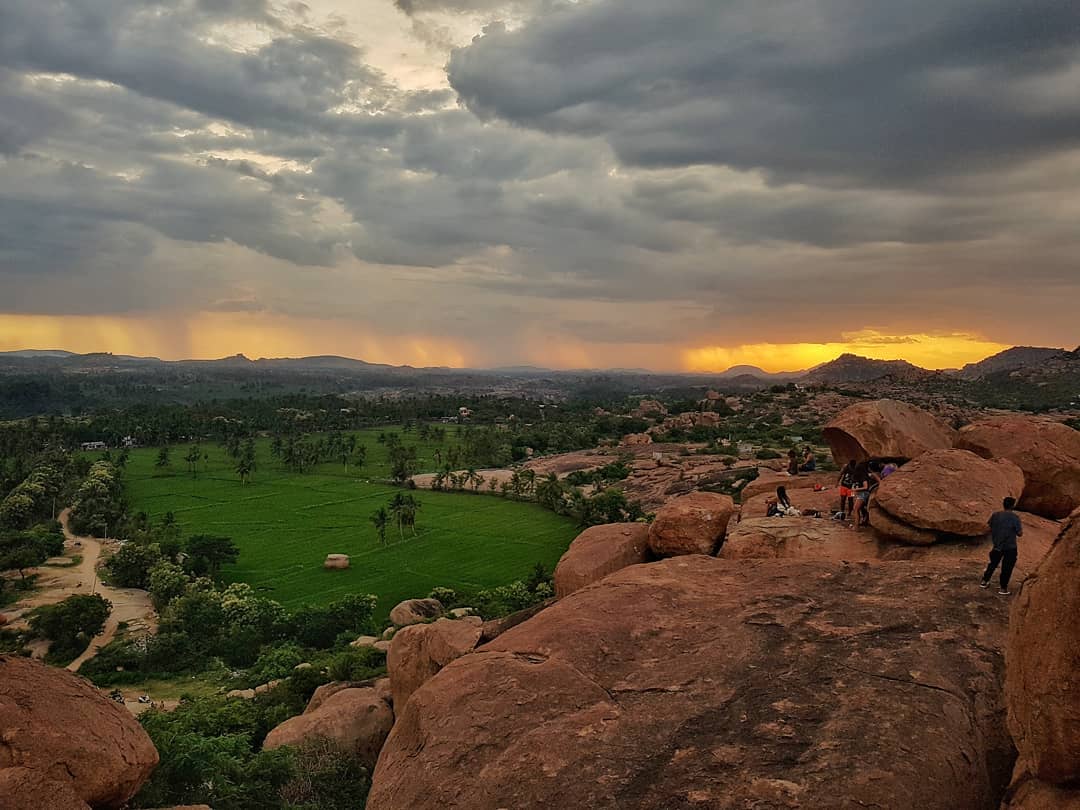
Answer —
(846, 482)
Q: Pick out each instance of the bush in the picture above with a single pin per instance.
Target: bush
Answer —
(130, 566)
(274, 663)
(70, 624)
(357, 664)
(319, 627)
(166, 581)
(326, 777)
(766, 453)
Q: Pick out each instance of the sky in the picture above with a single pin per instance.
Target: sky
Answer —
(684, 185)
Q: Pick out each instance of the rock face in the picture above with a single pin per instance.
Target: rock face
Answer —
(356, 719)
(767, 482)
(885, 429)
(336, 561)
(619, 697)
(692, 524)
(414, 611)
(58, 724)
(418, 652)
(24, 789)
(1048, 453)
(1033, 795)
(599, 551)
(951, 492)
(826, 502)
(1043, 678)
(636, 439)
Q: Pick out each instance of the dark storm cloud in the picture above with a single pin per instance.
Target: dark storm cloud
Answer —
(868, 92)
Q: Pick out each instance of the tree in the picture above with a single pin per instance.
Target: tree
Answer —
(71, 624)
(243, 469)
(167, 581)
(402, 462)
(403, 508)
(207, 553)
(192, 459)
(162, 458)
(130, 566)
(381, 519)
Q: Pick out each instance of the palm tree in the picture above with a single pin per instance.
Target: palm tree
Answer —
(477, 481)
(549, 491)
(528, 480)
(162, 457)
(192, 459)
(243, 469)
(381, 519)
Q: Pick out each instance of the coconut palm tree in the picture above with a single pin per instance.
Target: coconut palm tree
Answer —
(381, 519)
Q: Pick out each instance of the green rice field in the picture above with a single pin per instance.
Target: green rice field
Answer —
(286, 523)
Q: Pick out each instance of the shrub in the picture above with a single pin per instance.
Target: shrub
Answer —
(130, 566)
(766, 453)
(325, 777)
(357, 664)
(70, 624)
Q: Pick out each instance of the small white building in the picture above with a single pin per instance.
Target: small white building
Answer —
(94, 446)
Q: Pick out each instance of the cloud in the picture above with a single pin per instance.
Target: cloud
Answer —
(840, 90)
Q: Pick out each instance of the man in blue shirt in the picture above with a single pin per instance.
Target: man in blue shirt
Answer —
(1005, 527)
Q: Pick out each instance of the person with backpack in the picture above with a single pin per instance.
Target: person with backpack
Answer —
(1005, 528)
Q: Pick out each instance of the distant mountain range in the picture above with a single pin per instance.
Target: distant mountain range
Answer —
(847, 368)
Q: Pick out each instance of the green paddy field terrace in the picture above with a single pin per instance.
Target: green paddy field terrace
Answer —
(286, 523)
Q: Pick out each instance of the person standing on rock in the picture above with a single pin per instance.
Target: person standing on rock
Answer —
(1005, 527)
(846, 482)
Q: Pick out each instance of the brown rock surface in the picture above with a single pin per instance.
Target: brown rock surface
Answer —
(1043, 678)
(599, 551)
(1035, 795)
(57, 723)
(336, 562)
(885, 428)
(692, 524)
(826, 501)
(418, 652)
(697, 682)
(636, 439)
(952, 492)
(1048, 453)
(356, 719)
(414, 611)
(25, 789)
(767, 482)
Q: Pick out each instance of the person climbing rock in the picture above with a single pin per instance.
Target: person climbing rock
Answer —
(1005, 527)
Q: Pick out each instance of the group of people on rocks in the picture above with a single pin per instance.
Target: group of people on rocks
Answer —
(807, 465)
(857, 482)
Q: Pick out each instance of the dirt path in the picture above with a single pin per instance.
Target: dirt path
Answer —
(56, 583)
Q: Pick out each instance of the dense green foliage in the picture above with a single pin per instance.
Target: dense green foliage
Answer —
(70, 624)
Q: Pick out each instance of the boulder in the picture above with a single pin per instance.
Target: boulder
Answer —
(1048, 453)
(26, 789)
(698, 682)
(58, 724)
(825, 501)
(414, 611)
(599, 551)
(382, 645)
(950, 492)
(1035, 795)
(635, 440)
(691, 524)
(773, 538)
(358, 720)
(889, 526)
(461, 612)
(1043, 678)
(336, 561)
(419, 651)
(768, 480)
(364, 641)
(326, 691)
(885, 429)
(3, 619)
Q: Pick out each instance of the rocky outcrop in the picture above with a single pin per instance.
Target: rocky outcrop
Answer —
(885, 429)
(356, 719)
(1048, 453)
(418, 652)
(635, 440)
(692, 524)
(599, 551)
(943, 492)
(26, 789)
(1035, 795)
(697, 682)
(1043, 678)
(414, 611)
(57, 724)
(768, 480)
(825, 501)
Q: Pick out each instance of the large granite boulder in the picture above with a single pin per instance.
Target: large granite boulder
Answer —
(691, 524)
(825, 501)
(356, 719)
(414, 611)
(419, 651)
(885, 429)
(768, 480)
(26, 789)
(698, 682)
(1034, 795)
(1048, 453)
(943, 492)
(56, 723)
(1043, 678)
(599, 551)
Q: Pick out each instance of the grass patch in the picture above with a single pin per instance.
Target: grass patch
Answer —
(286, 523)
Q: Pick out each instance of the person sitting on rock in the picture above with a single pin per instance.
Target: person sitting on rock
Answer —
(1005, 527)
(809, 462)
(781, 506)
(793, 462)
(846, 482)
